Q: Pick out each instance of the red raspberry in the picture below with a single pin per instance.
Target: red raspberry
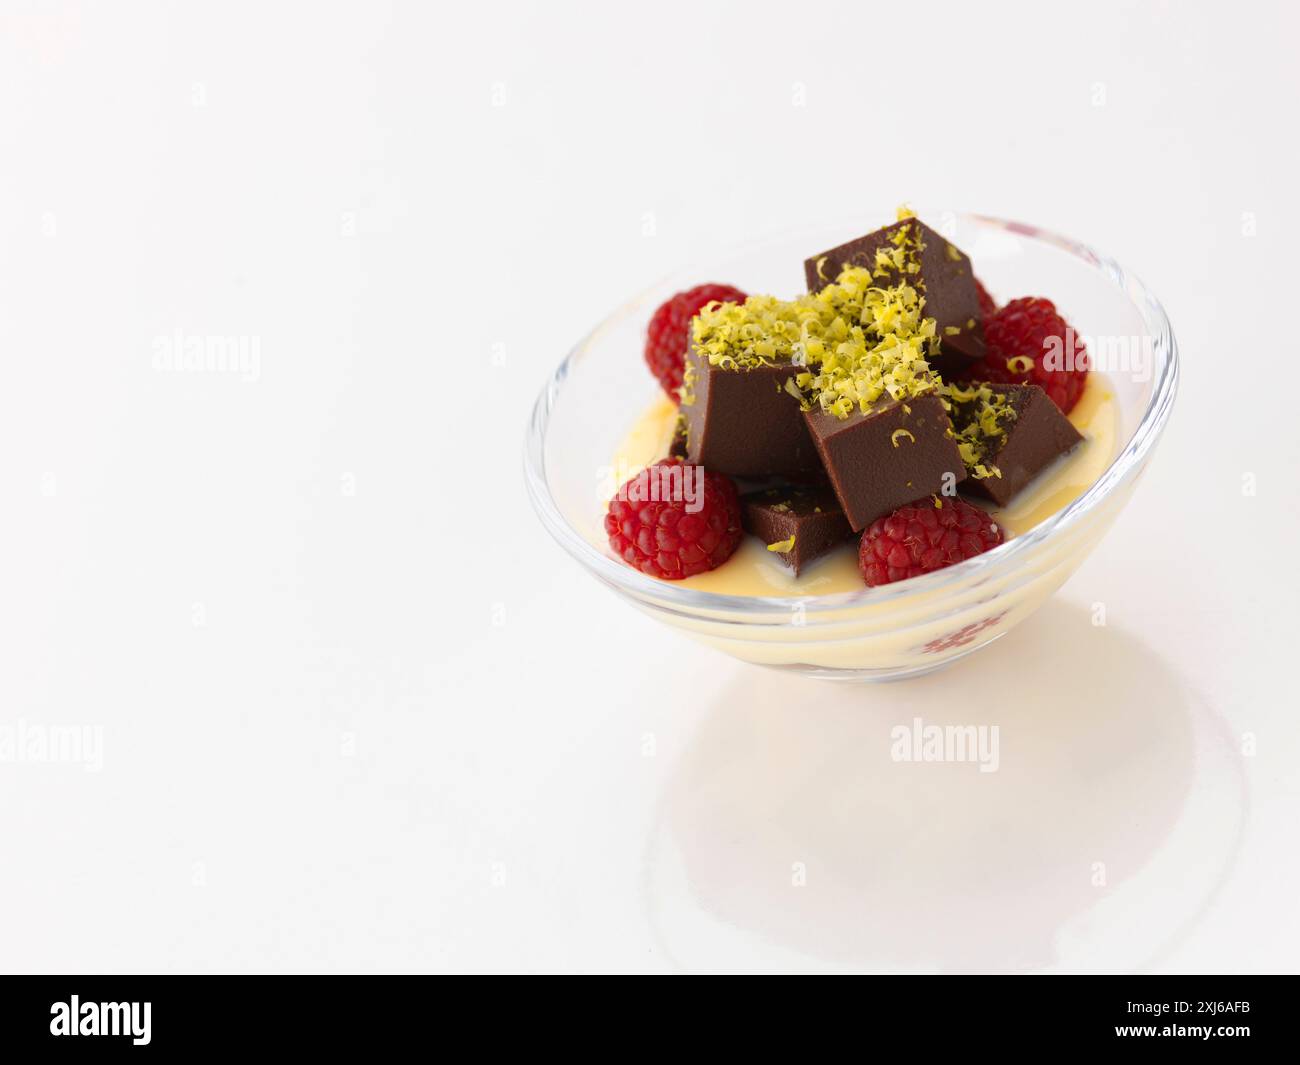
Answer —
(1023, 330)
(922, 537)
(669, 332)
(652, 526)
(987, 304)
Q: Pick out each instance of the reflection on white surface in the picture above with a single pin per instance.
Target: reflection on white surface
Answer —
(1113, 817)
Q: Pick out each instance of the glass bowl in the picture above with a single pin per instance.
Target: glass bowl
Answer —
(904, 629)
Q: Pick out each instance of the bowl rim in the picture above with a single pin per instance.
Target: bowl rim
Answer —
(1123, 468)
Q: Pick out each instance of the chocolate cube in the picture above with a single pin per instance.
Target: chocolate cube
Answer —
(1036, 434)
(811, 517)
(743, 422)
(944, 278)
(898, 452)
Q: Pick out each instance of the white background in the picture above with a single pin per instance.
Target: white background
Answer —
(359, 713)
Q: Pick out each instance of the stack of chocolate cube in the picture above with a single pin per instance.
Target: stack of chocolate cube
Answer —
(836, 475)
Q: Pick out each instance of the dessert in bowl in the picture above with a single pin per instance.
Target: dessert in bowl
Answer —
(903, 445)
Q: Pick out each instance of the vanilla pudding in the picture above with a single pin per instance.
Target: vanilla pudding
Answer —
(755, 571)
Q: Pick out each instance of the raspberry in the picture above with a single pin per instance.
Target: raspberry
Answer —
(987, 304)
(1021, 332)
(922, 537)
(669, 332)
(653, 525)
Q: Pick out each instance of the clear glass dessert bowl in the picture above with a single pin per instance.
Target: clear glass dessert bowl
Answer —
(598, 393)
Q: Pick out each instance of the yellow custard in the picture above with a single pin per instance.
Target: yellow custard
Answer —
(753, 570)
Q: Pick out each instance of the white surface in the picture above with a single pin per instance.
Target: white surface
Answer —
(358, 712)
